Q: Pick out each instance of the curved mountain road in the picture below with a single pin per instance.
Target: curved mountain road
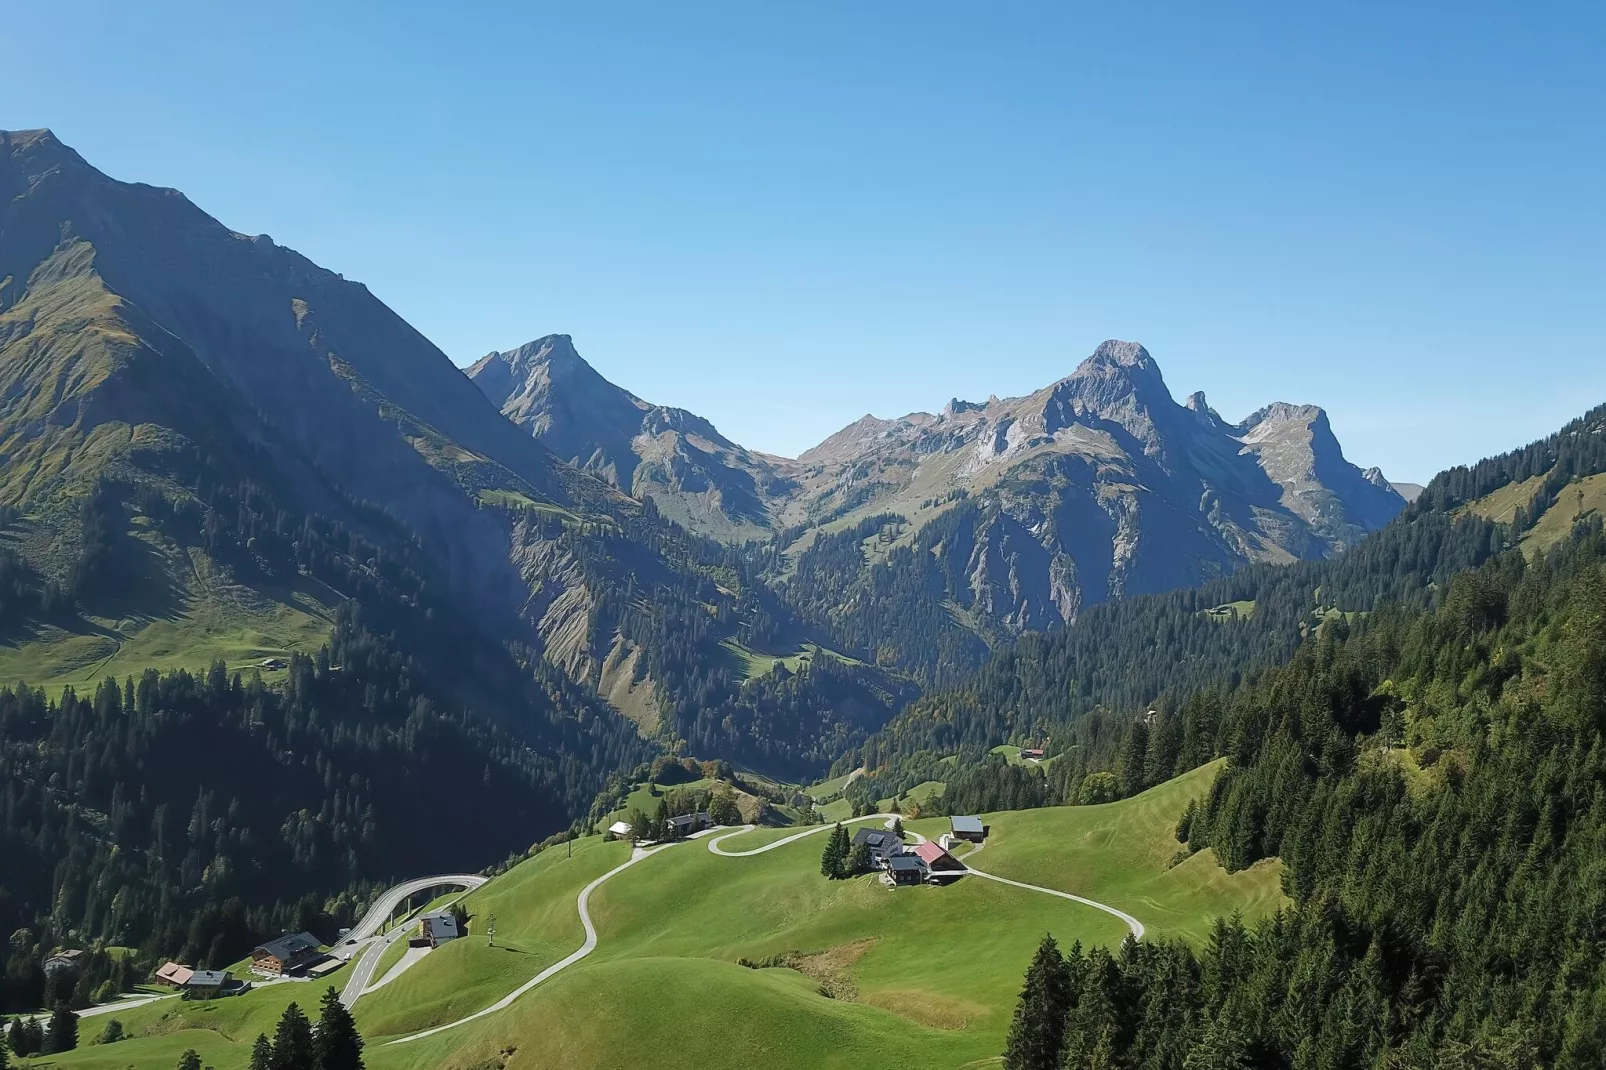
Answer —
(368, 955)
(585, 949)
(714, 846)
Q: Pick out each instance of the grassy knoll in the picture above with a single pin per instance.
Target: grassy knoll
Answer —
(752, 664)
(832, 786)
(1576, 500)
(643, 798)
(919, 795)
(1502, 505)
(1118, 854)
(1239, 610)
(536, 925)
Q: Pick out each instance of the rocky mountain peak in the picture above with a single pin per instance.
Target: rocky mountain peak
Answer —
(1123, 354)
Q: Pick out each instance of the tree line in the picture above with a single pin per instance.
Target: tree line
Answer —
(1434, 781)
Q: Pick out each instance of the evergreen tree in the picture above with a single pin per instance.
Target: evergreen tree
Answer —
(63, 1034)
(897, 827)
(859, 860)
(835, 854)
(338, 1045)
(112, 1033)
(292, 1041)
(190, 1060)
(262, 1053)
(1222, 1047)
(1037, 1034)
(5, 1054)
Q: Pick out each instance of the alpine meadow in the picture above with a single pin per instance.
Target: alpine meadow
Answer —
(380, 690)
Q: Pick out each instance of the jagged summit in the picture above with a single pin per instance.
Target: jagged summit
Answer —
(695, 474)
(1124, 354)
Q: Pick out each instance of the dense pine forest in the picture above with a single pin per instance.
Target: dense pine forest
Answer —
(1435, 781)
(192, 816)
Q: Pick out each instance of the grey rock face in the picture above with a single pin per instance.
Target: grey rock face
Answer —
(694, 474)
(1099, 485)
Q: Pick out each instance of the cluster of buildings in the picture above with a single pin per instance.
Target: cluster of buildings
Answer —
(200, 984)
(290, 955)
(931, 861)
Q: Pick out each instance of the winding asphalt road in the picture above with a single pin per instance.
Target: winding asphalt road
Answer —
(368, 954)
(640, 854)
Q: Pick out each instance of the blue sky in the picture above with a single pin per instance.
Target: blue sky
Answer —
(785, 216)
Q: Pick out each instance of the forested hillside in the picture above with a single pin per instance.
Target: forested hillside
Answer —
(1079, 689)
(1433, 781)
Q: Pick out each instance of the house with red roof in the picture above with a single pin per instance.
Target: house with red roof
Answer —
(939, 863)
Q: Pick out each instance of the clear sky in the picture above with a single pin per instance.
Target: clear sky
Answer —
(783, 216)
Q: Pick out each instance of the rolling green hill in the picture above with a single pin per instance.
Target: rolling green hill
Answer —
(922, 977)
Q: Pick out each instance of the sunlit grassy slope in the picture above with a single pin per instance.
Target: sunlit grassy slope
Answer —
(922, 977)
(1119, 853)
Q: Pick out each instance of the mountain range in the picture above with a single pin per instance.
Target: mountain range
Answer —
(1096, 486)
(211, 443)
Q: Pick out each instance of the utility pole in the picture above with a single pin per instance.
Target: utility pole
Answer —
(490, 930)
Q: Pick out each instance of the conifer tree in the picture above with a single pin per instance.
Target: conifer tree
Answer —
(262, 1053)
(63, 1035)
(5, 1056)
(835, 855)
(338, 1045)
(190, 1060)
(1037, 1034)
(292, 1041)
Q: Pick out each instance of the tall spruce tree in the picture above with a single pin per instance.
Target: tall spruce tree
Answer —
(1037, 1035)
(190, 1060)
(338, 1045)
(833, 859)
(5, 1054)
(292, 1041)
(262, 1053)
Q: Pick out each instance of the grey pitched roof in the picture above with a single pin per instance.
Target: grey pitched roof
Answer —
(878, 839)
(289, 945)
(967, 824)
(905, 862)
(208, 978)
